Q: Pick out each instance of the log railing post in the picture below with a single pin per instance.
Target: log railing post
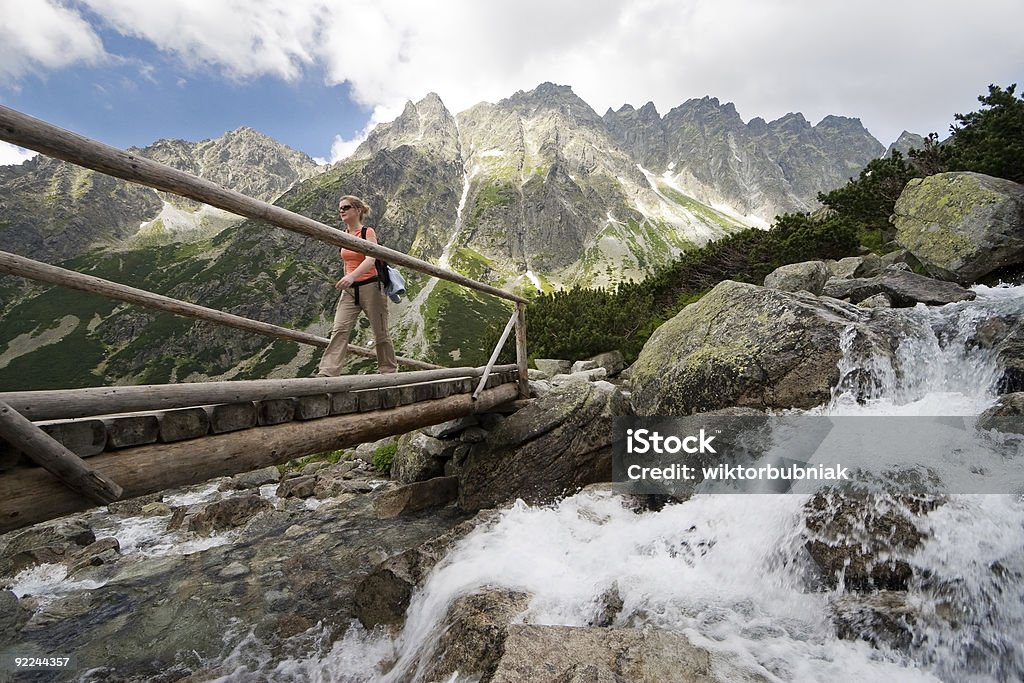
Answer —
(51, 455)
(494, 355)
(521, 357)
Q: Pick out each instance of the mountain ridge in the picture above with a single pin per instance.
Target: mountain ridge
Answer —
(535, 191)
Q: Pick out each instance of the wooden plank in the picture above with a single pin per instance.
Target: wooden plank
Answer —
(30, 495)
(344, 403)
(312, 407)
(390, 397)
(275, 411)
(32, 133)
(131, 430)
(182, 424)
(73, 403)
(84, 438)
(230, 417)
(368, 400)
(82, 481)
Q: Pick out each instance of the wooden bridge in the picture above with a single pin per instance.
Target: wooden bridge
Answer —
(67, 450)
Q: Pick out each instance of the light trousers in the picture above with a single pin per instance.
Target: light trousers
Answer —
(374, 303)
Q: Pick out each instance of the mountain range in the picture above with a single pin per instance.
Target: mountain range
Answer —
(534, 192)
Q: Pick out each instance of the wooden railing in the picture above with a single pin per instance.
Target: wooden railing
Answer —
(17, 409)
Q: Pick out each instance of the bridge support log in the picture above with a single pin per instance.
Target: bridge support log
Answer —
(31, 495)
(83, 482)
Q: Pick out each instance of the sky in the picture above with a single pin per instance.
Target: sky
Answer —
(317, 75)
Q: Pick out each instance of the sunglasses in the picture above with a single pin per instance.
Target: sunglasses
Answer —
(345, 207)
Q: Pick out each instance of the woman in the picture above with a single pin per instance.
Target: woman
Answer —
(360, 291)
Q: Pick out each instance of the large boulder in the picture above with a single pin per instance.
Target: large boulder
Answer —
(556, 654)
(473, 636)
(865, 539)
(962, 226)
(383, 596)
(748, 346)
(555, 445)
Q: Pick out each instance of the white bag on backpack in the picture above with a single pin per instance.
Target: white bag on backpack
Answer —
(395, 286)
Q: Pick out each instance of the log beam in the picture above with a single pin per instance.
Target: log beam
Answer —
(82, 481)
(74, 403)
(31, 495)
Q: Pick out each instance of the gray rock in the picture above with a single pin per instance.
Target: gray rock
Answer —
(134, 506)
(419, 457)
(103, 551)
(553, 446)
(567, 654)
(297, 487)
(880, 300)
(809, 276)
(865, 539)
(474, 633)
(1005, 336)
(12, 616)
(446, 429)
(382, 597)
(473, 435)
(748, 346)
(903, 288)
(855, 266)
(256, 478)
(45, 544)
(552, 367)
(418, 496)
(365, 451)
(591, 375)
(233, 571)
(536, 374)
(961, 226)
(1006, 416)
(583, 366)
(311, 468)
(223, 514)
(901, 259)
(883, 618)
(611, 361)
(539, 389)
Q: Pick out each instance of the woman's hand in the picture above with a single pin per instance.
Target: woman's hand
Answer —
(344, 283)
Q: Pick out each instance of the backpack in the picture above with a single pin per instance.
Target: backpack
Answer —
(390, 278)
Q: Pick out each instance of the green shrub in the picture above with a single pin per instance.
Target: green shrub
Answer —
(384, 456)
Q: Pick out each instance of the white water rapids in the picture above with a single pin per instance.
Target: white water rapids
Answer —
(731, 571)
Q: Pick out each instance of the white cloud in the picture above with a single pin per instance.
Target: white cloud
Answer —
(41, 35)
(893, 64)
(12, 154)
(242, 38)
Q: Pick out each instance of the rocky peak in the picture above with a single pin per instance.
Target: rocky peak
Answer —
(549, 97)
(906, 142)
(705, 110)
(426, 125)
(791, 123)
